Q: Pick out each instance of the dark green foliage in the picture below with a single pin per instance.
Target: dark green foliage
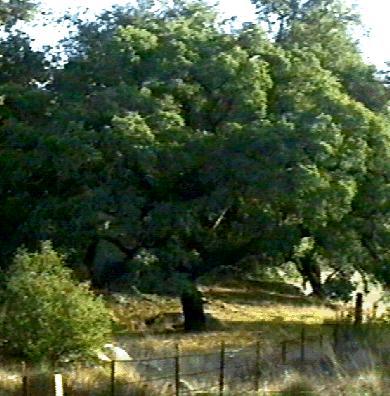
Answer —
(13, 10)
(339, 289)
(186, 147)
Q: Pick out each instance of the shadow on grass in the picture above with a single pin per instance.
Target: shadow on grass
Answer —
(260, 292)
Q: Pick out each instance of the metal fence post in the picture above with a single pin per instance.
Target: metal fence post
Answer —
(336, 336)
(284, 352)
(112, 377)
(359, 309)
(222, 370)
(25, 380)
(257, 368)
(177, 370)
(374, 311)
(303, 340)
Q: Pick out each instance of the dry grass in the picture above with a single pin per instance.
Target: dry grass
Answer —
(129, 315)
(242, 314)
(9, 382)
(370, 383)
(79, 381)
(234, 313)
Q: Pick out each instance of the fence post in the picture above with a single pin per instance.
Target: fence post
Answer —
(25, 380)
(112, 377)
(321, 341)
(303, 340)
(336, 336)
(284, 352)
(359, 309)
(222, 370)
(58, 385)
(177, 370)
(257, 368)
(374, 310)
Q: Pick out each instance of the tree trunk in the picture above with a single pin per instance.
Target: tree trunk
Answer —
(312, 273)
(89, 262)
(193, 310)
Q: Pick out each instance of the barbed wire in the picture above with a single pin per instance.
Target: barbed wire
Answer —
(223, 372)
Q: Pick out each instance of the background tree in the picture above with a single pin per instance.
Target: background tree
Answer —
(317, 31)
(13, 10)
(324, 28)
(24, 115)
(184, 147)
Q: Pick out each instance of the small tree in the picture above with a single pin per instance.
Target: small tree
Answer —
(47, 316)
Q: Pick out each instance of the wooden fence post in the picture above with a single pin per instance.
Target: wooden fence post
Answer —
(177, 370)
(112, 377)
(303, 341)
(359, 309)
(257, 367)
(284, 352)
(222, 370)
(58, 385)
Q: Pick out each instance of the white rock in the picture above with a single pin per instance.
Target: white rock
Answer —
(111, 352)
(102, 356)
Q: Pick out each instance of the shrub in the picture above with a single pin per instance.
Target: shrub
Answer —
(339, 289)
(47, 316)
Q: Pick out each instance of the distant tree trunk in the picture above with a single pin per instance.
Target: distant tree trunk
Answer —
(193, 310)
(89, 262)
(311, 272)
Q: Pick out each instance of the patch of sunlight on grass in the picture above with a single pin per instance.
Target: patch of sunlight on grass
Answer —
(10, 382)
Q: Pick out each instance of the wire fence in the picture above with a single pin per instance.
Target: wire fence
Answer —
(218, 372)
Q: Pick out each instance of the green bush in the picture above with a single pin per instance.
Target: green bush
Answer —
(340, 289)
(47, 316)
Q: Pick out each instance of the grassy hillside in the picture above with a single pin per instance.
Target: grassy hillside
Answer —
(239, 314)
